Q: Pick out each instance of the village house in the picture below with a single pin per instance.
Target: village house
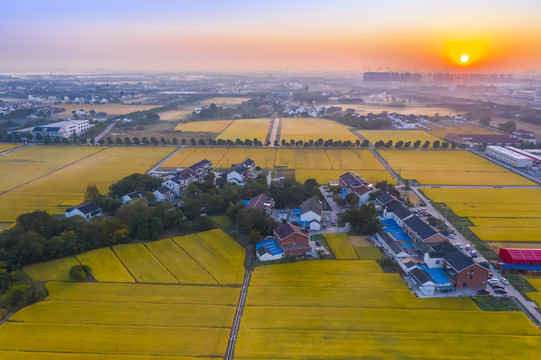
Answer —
(163, 194)
(132, 195)
(293, 240)
(311, 213)
(420, 232)
(195, 173)
(239, 173)
(262, 202)
(87, 211)
(356, 184)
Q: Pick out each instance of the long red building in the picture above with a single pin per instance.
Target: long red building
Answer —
(520, 260)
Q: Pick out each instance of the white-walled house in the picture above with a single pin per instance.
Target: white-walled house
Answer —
(238, 173)
(86, 210)
(311, 213)
(163, 194)
(132, 195)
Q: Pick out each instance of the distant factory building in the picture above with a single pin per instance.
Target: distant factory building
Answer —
(509, 157)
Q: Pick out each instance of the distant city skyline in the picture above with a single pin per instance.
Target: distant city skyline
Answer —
(419, 35)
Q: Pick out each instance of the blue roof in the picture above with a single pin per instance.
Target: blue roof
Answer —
(245, 202)
(304, 223)
(395, 230)
(437, 274)
(521, 267)
(296, 211)
(344, 193)
(271, 245)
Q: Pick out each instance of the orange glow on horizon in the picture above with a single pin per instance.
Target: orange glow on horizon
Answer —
(466, 53)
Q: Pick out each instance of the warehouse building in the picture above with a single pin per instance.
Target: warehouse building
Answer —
(509, 157)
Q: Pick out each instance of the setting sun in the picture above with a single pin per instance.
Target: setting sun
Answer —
(466, 53)
(464, 58)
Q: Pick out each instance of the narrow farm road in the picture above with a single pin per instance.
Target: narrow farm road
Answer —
(274, 132)
(103, 133)
(238, 315)
(165, 159)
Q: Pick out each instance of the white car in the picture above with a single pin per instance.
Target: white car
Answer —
(460, 246)
(504, 281)
(492, 281)
(327, 218)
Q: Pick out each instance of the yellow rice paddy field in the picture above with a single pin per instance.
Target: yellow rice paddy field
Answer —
(174, 115)
(439, 167)
(6, 147)
(214, 126)
(442, 131)
(498, 214)
(340, 246)
(396, 135)
(379, 319)
(246, 129)
(306, 129)
(66, 186)
(225, 100)
(322, 164)
(133, 318)
(110, 109)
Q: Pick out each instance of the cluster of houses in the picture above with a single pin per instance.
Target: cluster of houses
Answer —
(432, 262)
(403, 122)
(62, 129)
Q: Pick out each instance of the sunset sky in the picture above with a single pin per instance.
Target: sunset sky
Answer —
(69, 35)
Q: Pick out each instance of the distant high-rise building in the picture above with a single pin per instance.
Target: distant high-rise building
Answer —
(387, 76)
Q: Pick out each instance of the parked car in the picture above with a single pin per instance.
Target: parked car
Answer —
(500, 291)
(504, 280)
(473, 254)
(492, 281)
(460, 246)
(327, 218)
(483, 292)
(494, 286)
(318, 244)
(333, 223)
(467, 247)
(490, 274)
(324, 226)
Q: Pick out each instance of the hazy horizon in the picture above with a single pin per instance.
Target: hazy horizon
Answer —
(243, 36)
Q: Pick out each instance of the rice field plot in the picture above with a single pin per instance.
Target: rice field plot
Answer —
(26, 164)
(263, 157)
(179, 263)
(56, 191)
(174, 115)
(442, 131)
(115, 313)
(25, 355)
(52, 270)
(435, 167)
(224, 246)
(306, 129)
(222, 220)
(536, 283)
(213, 126)
(498, 214)
(114, 339)
(142, 293)
(246, 129)
(105, 265)
(143, 266)
(367, 319)
(368, 252)
(214, 263)
(396, 135)
(110, 109)
(340, 246)
(225, 100)
(6, 147)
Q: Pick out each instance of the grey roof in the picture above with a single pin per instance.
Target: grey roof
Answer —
(385, 198)
(287, 229)
(136, 194)
(399, 210)
(458, 260)
(418, 226)
(410, 264)
(88, 208)
(421, 276)
(163, 190)
(200, 164)
(445, 247)
(311, 204)
(395, 246)
(262, 251)
(258, 201)
(436, 254)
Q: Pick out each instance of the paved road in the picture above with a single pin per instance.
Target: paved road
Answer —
(15, 149)
(164, 160)
(238, 315)
(274, 132)
(104, 132)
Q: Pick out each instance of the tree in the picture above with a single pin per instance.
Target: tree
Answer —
(192, 141)
(426, 144)
(132, 183)
(136, 140)
(407, 144)
(191, 208)
(399, 144)
(436, 144)
(154, 141)
(254, 236)
(47, 139)
(109, 140)
(215, 204)
(145, 141)
(101, 142)
(118, 141)
(175, 141)
(92, 193)
(508, 126)
(352, 199)
(365, 143)
(152, 117)
(417, 143)
(79, 272)
(485, 120)
(363, 221)
(444, 145)
(162, 140)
